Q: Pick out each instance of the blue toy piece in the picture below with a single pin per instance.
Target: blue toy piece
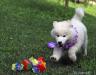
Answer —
(17, 67)
(35, 69)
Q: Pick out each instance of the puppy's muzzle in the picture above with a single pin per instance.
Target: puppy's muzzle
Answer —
(60, 44)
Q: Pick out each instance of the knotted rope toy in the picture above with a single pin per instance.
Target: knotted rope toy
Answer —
(36, 65)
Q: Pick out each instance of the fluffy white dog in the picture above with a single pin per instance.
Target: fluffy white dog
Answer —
(70, 35)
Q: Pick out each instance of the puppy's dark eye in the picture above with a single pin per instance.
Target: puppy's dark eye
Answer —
(64, 35)
(57, 35)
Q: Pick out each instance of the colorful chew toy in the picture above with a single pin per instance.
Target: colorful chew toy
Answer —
(37, 65)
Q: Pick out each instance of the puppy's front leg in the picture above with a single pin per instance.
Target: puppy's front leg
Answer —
(57, 53)
(73, 50)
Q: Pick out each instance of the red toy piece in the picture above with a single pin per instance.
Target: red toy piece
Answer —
(42, 64)
(27, 64)
(41, 59)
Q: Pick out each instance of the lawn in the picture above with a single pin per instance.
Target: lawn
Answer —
(25, 27)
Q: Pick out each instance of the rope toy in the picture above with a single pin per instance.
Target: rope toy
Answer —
(36, 65)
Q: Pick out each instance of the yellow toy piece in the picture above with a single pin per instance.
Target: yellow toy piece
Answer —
(33, 60)
(14, 67)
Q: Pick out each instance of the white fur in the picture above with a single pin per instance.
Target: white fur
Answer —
(65, 28)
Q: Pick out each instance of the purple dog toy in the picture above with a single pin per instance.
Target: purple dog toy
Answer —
(51, 44)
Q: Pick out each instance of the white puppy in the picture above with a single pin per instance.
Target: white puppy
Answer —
(71, 36)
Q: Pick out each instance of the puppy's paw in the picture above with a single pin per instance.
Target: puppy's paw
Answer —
(85, 53)
(73, 58)
(54, 59)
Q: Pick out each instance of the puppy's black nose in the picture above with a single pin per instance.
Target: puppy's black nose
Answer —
(59, 42)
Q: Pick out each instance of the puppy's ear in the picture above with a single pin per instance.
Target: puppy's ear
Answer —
(54, 23)
(52, 33)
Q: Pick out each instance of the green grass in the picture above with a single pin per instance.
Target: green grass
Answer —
(25, 27)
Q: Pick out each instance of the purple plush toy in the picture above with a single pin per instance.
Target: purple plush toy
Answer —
(51, 44)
